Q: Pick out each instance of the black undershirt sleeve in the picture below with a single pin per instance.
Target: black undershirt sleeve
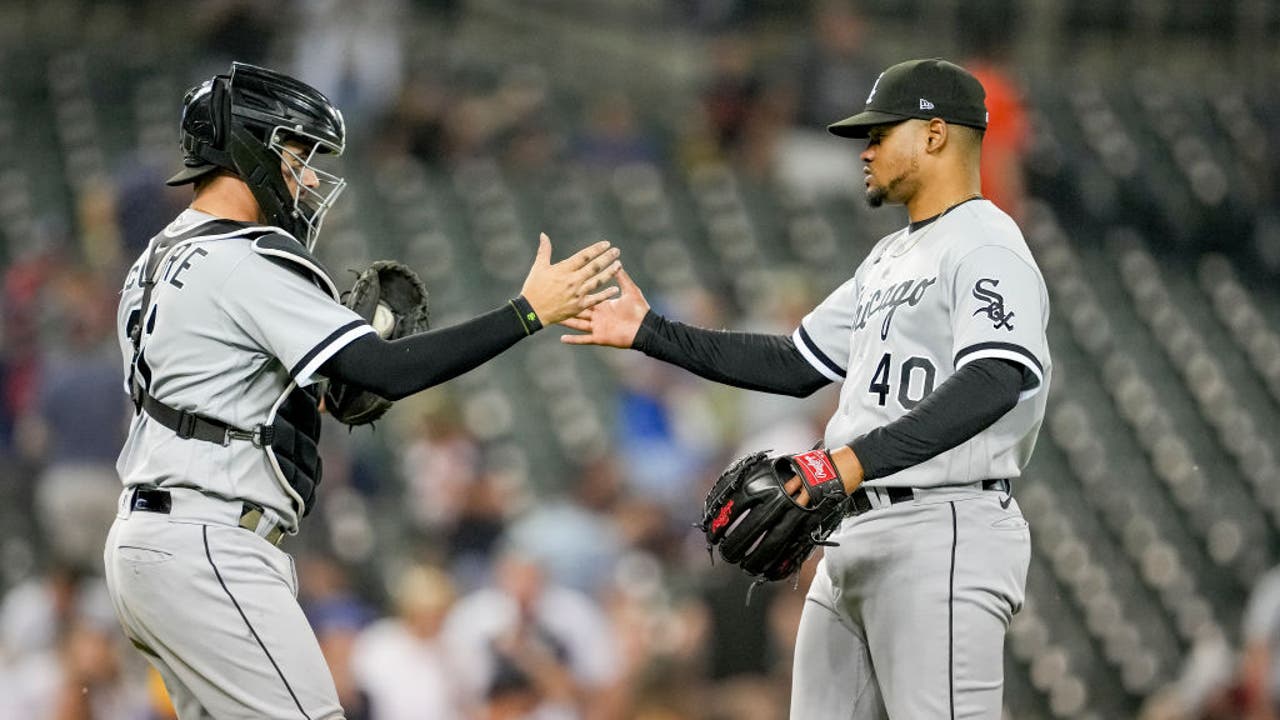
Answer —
(402, 367)
(754, 361)
(976, 396)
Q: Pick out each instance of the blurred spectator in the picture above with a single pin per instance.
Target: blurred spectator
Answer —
(144, 204)
(1008, 135)
(573, 537)
(662, 431)
(532, 149)
(401, 663)
(785, 424)
(63, 653)
(228, 30)
(33, 611)
(836, 73)
(441, 466)
(612, 135)
(710, 16)
(470, 546)
(352, 52)
(25, 281)
(532, 649)
(752, 631)
(746, 113)
(338, 616)
(479, 119)
(453, 499)
(417, 123)
(732, 92)
(94, 682)
(96, 228)
(78, 423)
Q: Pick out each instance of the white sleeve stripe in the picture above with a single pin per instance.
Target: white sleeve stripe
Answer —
(326, 349)
(981, 348)
(816, 357)
(1005, 351)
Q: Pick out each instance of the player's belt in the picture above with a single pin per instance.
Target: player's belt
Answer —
(190, 425)
(252, 516)
(860, 502)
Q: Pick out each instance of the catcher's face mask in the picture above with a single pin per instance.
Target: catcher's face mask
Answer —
(312, 188)
(269, 129)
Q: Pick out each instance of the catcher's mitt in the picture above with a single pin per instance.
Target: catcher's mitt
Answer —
(393, 299)
(759, 526)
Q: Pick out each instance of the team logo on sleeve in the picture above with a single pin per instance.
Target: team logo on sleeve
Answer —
(994, 308)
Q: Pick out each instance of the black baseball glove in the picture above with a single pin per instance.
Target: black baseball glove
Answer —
(759, 526)
(393, 299)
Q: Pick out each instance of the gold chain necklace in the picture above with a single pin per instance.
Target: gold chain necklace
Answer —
(910, 239)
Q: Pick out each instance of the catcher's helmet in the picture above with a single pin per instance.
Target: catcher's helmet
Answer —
(253, 122)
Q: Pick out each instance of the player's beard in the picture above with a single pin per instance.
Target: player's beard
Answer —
(878, 195)
(875, 196)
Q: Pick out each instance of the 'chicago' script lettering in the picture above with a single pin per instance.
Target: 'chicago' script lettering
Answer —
(890, 298)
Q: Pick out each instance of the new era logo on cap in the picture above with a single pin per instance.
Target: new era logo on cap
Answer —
(925, 89)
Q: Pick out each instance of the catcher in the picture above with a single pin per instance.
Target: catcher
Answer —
(228, 324)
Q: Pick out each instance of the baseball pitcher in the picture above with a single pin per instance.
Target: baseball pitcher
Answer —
(938, 342)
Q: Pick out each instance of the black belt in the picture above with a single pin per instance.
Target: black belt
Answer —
(860, 503)
(160, 501)
(190, 425)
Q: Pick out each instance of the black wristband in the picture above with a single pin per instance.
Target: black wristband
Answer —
(528, 318)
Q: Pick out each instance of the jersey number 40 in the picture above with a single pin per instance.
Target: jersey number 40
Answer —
(906, 398)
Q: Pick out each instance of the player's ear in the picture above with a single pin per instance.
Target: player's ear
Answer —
(935, 135)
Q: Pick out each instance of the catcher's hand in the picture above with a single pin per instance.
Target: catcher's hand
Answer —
(393, 299)
(751, 515)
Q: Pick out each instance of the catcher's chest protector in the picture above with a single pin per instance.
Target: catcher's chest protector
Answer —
(295, 433)
(289, 253)
(295, 421)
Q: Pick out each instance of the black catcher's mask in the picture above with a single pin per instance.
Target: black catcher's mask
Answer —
(260, 124)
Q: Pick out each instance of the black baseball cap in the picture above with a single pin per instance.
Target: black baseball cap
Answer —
(927, 88)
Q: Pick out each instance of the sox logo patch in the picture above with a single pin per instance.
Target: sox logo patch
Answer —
(994, 308)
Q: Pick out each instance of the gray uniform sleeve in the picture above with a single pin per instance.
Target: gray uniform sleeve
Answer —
(288, 316)
(823, 335)
(999, 310)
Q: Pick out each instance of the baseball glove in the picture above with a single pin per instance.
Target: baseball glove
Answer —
(759, 526)
(393, 299)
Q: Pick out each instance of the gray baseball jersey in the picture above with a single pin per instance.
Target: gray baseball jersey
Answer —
(228, 334)
(907, 614)
(237, 319)
(919, 307)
